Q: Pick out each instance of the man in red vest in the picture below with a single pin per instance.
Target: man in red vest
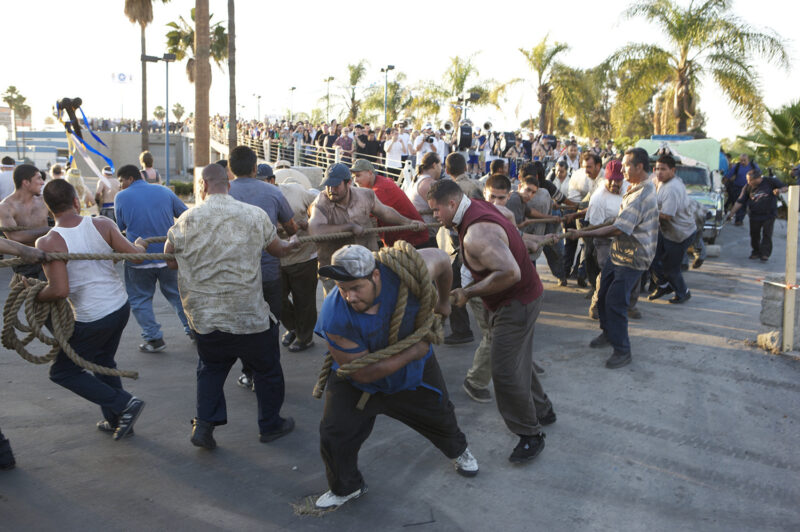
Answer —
(505, 279)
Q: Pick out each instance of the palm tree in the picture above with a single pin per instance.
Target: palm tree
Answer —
(202, 69)
(542, 60)
(181, 42)
(16, 102)
(398, 99)
(141, 12)
(779, 144)
(356, 75)
(178, 111)
(232, 130)
(705, 40)
(159, 113)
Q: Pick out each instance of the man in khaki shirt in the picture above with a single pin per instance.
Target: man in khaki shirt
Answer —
(217, 247)
(342, 207)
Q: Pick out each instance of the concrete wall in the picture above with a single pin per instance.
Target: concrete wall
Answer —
(124, 148)
(772, 306)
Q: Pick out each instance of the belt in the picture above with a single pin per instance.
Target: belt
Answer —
(108, 205)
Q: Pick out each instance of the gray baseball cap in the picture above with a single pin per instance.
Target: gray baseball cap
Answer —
(349, 263)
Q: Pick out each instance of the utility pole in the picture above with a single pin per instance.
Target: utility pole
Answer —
(328, 99)
(385, 70)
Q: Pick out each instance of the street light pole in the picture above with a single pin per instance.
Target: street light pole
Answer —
(328, 99)
(258, 104)
(291, 102)
(385, 89)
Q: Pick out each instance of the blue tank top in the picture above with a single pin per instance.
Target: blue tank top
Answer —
(371, 332)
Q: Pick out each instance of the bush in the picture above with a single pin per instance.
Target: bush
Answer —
(183, 188)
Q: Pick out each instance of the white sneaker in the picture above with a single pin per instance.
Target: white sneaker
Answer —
(329, 500)
(466, 465)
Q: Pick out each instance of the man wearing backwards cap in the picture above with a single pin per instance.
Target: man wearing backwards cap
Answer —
(106, 191)
(345, 208)
(408, 386)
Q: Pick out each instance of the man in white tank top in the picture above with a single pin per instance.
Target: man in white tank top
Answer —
(98, 299)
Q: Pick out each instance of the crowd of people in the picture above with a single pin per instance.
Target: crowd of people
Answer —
(612, 221)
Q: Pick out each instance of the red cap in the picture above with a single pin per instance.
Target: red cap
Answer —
(614, 170)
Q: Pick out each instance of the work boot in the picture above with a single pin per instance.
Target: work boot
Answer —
(527, 449)
(601, 340)
(618, 359)
(128, 417)
(202, 434)
(659, 292)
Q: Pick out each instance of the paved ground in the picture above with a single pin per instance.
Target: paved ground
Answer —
(699, 433)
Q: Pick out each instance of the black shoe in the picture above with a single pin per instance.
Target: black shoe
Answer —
(600, 341)
(754, 256)
(455, 339)
(738, 222)
(202, 434)
(684, 267)
(481, 395)
(246, 382)
(634, 313)
(697, 263)
(296, 346)
(153, 346)
(537, 368)
(6, 456)
(562, 282)
(660, 291)
(549, 419)
(678, 300)
(288, 338)
(527, 449)
(764, 258)
(105, 426)
(618, 359)
(582, 282)
(286, 427)
(128, 417)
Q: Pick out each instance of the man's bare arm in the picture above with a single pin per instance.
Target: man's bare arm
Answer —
(55, 271)
(388, 215)
(486, 245)
(438, 263)
(318, 225)
(26, 253)
(27, 236)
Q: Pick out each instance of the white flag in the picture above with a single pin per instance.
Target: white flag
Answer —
(121, 77)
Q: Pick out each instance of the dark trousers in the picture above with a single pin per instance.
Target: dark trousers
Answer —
(570, 249)
(273, 293)
(733, 194)
(761, 235)
(459, 317)
(218, 351)
(97, 342)
(613, 300)
(344, 428)
(555, 254)
(667, 264)
(590, 260)
(299, 314)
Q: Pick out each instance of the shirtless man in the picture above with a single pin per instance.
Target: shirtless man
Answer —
(106, 191)
(506, 281)
(25, 207)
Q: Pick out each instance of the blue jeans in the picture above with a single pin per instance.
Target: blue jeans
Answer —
(140, 284)
(667, 264)
(97, 342)
(613, 299)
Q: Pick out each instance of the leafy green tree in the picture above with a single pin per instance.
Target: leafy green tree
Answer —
(355, 78)
(705, 39)
(16, 102)
(398, 99)
(181, 42)
(555, 83)
(178, 111)
(778, 143)
(159, 113)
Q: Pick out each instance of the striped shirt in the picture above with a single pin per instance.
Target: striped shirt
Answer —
(638, 221)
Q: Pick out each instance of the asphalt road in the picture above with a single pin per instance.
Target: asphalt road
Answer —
(700, 432)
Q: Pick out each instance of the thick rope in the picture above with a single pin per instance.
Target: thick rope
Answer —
(409, 266)
(37, 314)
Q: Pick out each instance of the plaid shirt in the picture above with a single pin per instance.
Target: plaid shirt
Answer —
(638, 221)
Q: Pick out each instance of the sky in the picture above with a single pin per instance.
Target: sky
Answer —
(281, 45)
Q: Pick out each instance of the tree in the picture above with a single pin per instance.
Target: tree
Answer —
(141, 12)
(16, 102)
(779, 143)
(356, 75)
(542, 60)
(398, 99)
(181, 42)
(178, 111)
(202, 84)
(159, 113)
(704, 40)
(232, 129)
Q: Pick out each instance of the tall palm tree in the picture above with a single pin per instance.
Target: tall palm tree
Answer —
(704, 40)
(397, 99)
(549, 73)
(231, 77)
(181, 42)
(202, 84)
(355, 76)
(141, 12)
(779, 143)
(16, 102)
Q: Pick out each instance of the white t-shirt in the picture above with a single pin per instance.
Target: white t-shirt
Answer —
(673, 200)
(562, 186)
(603, 205)
(574, 164)
(421, 147)
(406, 139)
(580, 184)
(6, 183)
(441, 148)
(395, 153)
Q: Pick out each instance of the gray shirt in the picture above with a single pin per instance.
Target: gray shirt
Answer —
(270, 199)
(674, 201)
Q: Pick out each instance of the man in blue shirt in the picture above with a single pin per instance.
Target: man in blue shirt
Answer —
(408, 386)
(735, 180)
(245, 187)
(146, 210)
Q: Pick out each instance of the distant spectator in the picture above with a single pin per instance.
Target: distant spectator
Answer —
(149, 173)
